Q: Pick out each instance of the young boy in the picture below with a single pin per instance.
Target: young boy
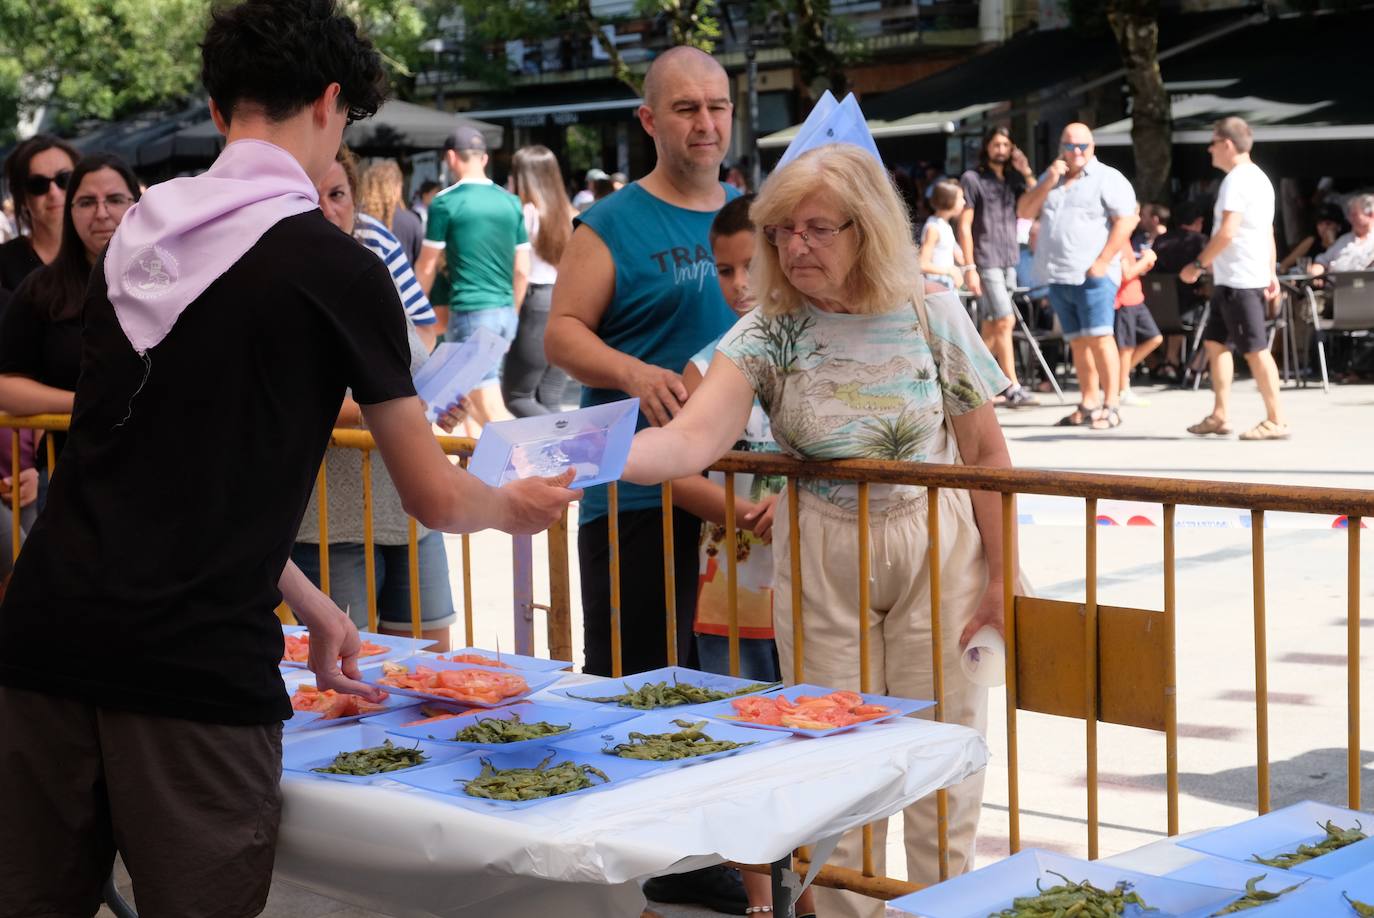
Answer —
(1137, 334)
(221, 328)
(732, 244)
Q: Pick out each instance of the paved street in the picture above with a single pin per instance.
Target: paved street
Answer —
(1332, 443)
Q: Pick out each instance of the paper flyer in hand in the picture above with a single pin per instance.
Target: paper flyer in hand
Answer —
(594, 441)
(455, 369)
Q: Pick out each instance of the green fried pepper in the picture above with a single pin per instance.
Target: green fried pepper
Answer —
(493, 730)
(1074, 900)
(687, 743)
(374, 761)
(653, 695)
(532, 783)
(1336, 838)
(1361, 908)
(1254, 897)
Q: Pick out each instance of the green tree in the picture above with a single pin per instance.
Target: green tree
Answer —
(1135, 23)
(95, 58)
(821, 44)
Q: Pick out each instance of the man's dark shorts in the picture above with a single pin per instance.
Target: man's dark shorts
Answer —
(193, 809)
(1237, 319)
(1135, 325)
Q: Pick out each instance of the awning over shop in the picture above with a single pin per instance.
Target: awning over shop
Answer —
(914, 125)
(1293, 78)
(403, 127)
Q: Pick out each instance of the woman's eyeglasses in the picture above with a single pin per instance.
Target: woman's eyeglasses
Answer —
(815, 237)
(114, 203)
(37, 185)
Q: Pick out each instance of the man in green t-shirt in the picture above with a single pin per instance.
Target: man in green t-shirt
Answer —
(478, 229)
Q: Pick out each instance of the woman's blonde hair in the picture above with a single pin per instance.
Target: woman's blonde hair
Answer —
(379, 192)
(886, 270)
(538, 180)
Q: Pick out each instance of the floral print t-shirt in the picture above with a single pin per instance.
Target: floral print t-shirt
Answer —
(844, 386)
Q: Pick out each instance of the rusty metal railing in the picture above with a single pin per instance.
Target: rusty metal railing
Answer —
(1082, 660)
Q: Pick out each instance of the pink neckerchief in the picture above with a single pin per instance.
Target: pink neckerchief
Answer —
(185, 233)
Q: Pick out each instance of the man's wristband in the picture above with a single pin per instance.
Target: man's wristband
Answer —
(967, 268)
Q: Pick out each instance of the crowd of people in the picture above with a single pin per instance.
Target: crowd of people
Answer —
(821, 317)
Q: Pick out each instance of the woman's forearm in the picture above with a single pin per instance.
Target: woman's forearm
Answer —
(662, 453)
(21, 395)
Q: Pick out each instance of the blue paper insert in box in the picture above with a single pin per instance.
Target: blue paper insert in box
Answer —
(317, 751)
(451, 779)
(1282, 831)
(512, 660)
(593, 441)
(668, 674)
(534, 681)
(990, 889)
(665, 722)
(295, 678)
(455, 369)
(899, 707)
(578, 720)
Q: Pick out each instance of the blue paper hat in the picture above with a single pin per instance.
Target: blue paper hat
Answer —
(832, 122)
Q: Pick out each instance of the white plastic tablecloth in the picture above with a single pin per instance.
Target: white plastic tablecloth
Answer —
(409, 853)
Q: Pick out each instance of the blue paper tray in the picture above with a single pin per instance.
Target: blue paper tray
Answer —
(579, 720)
(667, 674)
(594, 442)
(515, 660)
(662, 722)
(398, 648)
(1283, 830)
(306, 753)
(415, 710)
(724, 710)
(449, 779)
(296, 678)
(1325, 899)
(1216, 871)
(991, 889)
(535, 681)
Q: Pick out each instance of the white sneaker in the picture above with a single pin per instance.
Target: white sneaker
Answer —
(1129, 398)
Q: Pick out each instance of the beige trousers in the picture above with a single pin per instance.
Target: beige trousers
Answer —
(899, 649)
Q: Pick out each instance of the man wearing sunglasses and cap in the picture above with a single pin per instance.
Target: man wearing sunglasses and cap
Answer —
(1087, 213)
(478, 229)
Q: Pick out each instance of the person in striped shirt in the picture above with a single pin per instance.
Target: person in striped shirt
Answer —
(372, 233)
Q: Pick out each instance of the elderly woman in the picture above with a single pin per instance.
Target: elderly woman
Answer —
(841, 357)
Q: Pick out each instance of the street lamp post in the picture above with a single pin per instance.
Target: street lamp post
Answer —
(752, 79)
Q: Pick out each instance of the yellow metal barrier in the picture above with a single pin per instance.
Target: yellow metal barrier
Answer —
(1081, 660)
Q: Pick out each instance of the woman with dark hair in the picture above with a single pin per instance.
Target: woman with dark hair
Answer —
(37, 172)
(40, 336)
(528, 384)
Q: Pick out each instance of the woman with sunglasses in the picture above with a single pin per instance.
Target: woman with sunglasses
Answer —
(37, 172)
(40, 335)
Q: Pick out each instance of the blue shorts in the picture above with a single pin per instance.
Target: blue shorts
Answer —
(500, 319)
(1086, 310)
(391, 572)
(758, 657)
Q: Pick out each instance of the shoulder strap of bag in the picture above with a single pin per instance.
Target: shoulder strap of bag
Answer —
(918, 303)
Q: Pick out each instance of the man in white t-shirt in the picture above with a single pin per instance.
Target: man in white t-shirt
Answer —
(1241, 258)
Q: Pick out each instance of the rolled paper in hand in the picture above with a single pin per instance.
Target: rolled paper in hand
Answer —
(984, 660)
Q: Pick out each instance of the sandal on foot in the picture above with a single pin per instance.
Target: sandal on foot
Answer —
(1081, 416)
(1266, 430)
(1210, 425)
(1105, 418)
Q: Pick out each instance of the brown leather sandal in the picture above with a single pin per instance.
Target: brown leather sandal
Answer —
(1210, 425)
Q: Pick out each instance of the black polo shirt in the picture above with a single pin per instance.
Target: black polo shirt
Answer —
(150, 578)
(994, 215)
